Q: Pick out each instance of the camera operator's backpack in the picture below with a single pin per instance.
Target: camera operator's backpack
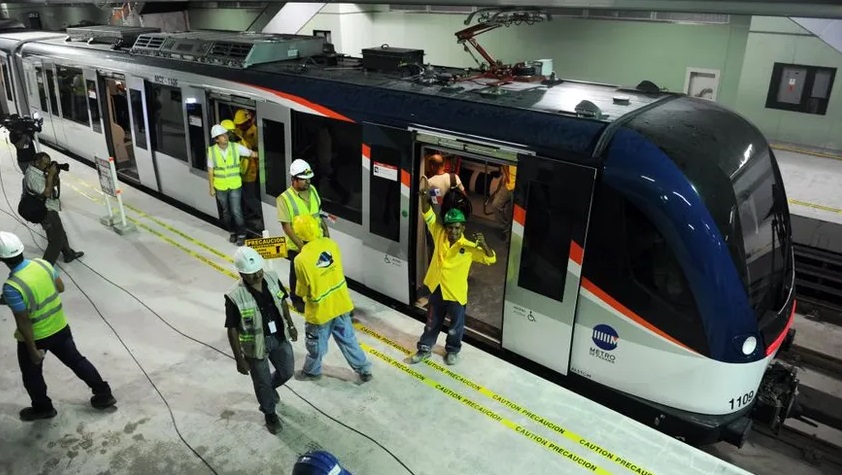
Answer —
(454, 198)
(31, 207)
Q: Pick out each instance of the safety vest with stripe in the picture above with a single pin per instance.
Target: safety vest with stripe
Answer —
(319, 267)
(297, 206)
(252, 339)
(36, 284)
(226, 169)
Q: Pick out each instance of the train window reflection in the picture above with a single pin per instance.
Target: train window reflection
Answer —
(51, 89)
(6, 82)
(274, 153)
(138, 118)
(73, 95)
(333, 148)
(93, 102)
(166, 120)
(546, 242)
(39, 77)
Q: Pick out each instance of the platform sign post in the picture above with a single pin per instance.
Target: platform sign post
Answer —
(111, 187)
(270, 248)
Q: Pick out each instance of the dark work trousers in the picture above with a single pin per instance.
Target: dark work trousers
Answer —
(60, 344)
(297, 301)
(251, 200)
(56, 238)
(279, 352)
(438, 309)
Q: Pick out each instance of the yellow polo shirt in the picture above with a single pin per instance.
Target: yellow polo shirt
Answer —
(450, 265)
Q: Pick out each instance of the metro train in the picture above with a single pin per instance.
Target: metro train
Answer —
(649, 265)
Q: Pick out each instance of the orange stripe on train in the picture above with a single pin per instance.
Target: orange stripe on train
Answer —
(613, 303)
(304, 102)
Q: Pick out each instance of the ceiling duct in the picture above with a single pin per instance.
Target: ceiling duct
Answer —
(235, 50)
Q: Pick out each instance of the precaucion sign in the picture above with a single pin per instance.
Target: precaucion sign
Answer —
(269, 248)
(107, 176)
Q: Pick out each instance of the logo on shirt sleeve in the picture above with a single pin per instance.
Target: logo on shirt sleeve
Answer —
(325, 260)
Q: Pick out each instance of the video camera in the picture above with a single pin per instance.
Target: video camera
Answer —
(23, 125)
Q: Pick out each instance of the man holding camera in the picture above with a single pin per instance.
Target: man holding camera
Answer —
(41, 181)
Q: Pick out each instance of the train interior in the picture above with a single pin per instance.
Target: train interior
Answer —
(485, 186)
(227, 110)
(118, 124)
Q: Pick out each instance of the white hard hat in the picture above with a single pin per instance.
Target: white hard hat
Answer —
(247, 260)
(300, 169)
(218, 130)
(10, 245)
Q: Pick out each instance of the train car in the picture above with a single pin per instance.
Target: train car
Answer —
(644, 257)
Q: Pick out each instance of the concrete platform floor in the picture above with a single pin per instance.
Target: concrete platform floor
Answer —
(173, 389)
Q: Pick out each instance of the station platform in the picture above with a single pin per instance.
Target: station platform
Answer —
(146, 308)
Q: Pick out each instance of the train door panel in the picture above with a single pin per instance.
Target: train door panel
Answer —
(52, 89)
(8, 99)
(34, 76)
(94, 97)
(551, 212)
(387, 161)
(139, 133)
(274, 137)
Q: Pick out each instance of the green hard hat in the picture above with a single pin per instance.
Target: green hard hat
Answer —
(454, 215)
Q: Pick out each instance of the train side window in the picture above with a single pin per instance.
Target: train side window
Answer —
(73, 95)
(333, 149)
(137, 117)
(653, 263)
(385, 193)
(93, 102)
(166, 118)
(274, 153)
(7, 84)
(42, 94)
(51, 89)
(546, 242)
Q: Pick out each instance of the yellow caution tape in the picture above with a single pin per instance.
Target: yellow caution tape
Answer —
(561, 451)
(816, 206)
(790, 148)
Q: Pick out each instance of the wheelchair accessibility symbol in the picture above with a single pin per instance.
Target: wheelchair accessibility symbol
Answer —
(530, 317)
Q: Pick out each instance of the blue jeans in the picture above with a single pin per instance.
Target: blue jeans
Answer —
(342, 329)
(279, 352)
(230, 202)
(438, 309)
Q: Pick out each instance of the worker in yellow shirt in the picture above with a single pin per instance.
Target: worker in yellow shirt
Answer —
(502, 199)
(320, 281)
(447, 277)
(246, 130)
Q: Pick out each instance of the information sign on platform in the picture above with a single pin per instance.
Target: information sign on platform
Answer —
(269, 247)
(111, 187)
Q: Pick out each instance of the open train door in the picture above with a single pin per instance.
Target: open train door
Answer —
(551, 212)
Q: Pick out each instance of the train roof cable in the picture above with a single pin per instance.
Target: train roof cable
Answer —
(167, 323)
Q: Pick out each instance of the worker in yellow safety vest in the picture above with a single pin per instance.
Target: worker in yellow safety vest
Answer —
(32, 292)
(321, 283)
(225, 169)
(246, 130)
(301, 198)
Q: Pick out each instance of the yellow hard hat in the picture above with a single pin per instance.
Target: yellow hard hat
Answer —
(228, 124)
(240, 117)
(306, 227)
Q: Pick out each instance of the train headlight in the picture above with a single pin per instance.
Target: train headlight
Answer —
(749, 345)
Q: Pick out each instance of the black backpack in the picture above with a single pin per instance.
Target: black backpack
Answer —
(31, 207)
(454, 198)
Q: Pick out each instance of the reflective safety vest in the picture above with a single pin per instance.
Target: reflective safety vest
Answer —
(252, 339)
(297, 206)
(319, 265)
(36, 284)
(226, 169)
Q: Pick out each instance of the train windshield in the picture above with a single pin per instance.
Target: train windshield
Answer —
(759, 219)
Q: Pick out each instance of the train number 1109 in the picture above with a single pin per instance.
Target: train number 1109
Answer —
(742, 401)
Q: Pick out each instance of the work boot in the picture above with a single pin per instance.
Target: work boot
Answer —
(418, 357)
(31, 414)
(241, 240)
(366, 377)
(273, 423)
(308, 376)
(451, 358)
(73, 255)
(103, 401)
(232, 238)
